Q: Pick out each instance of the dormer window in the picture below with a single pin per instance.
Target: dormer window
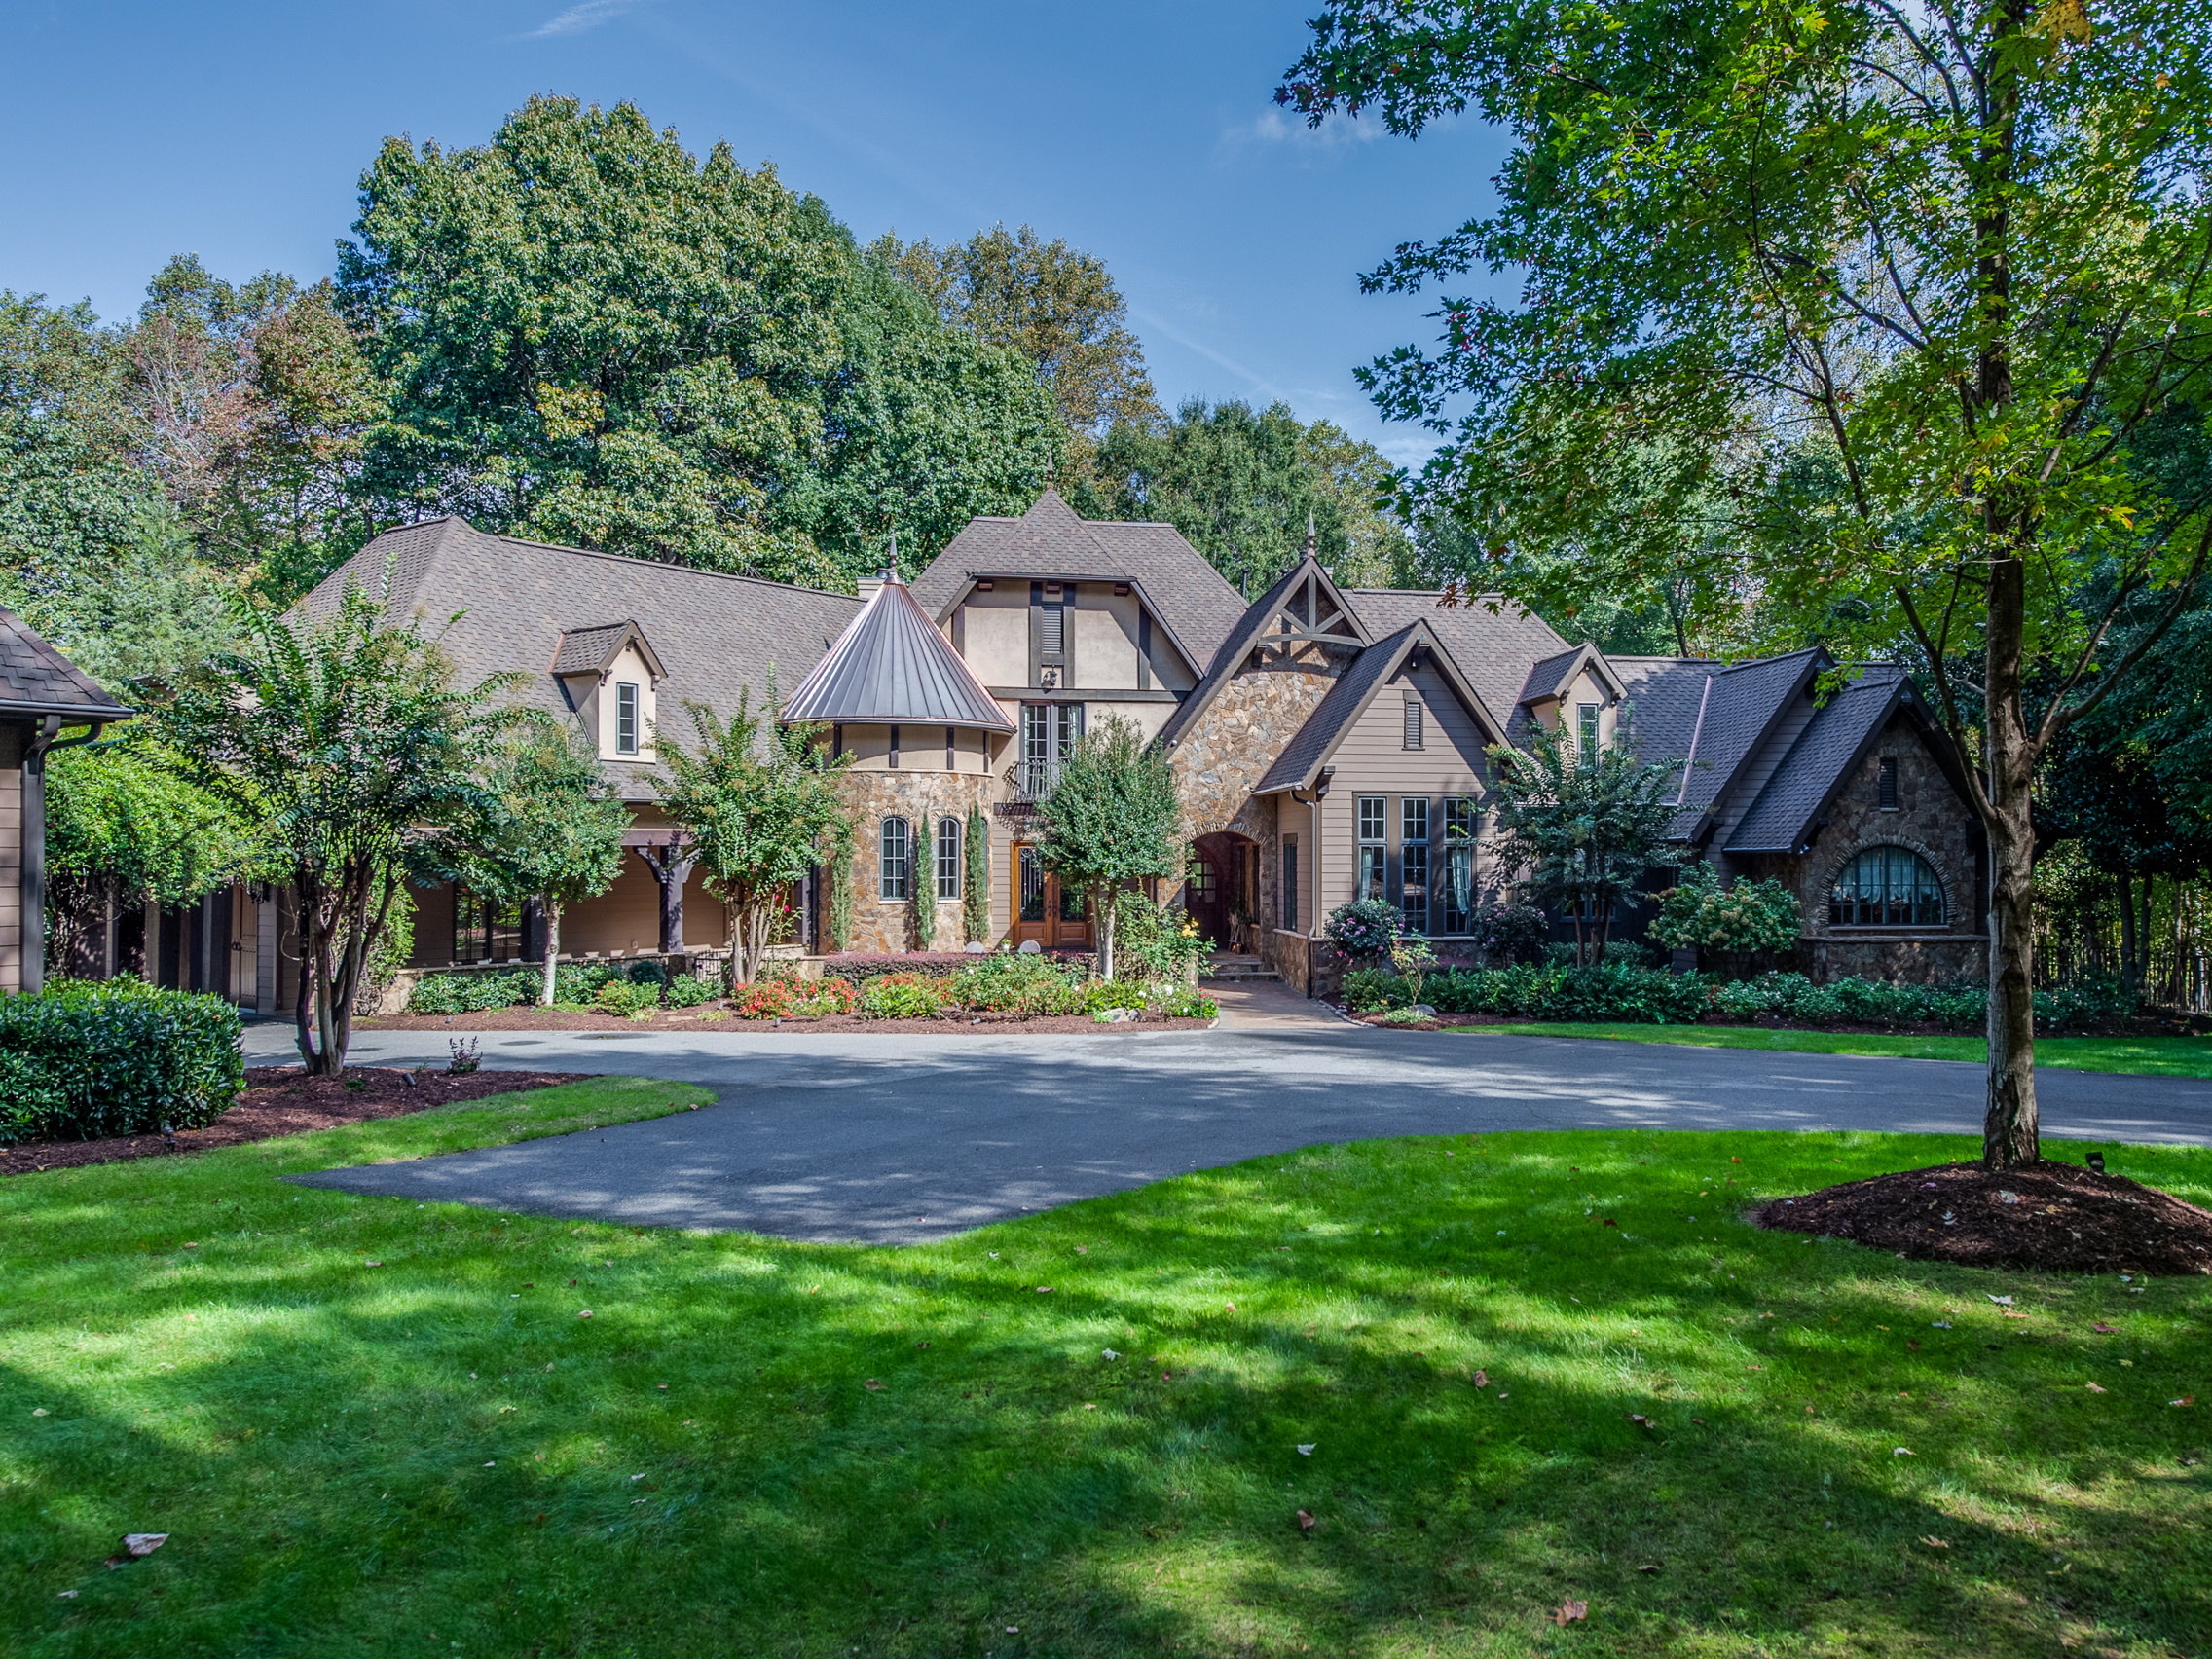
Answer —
(626, 704)
(1586, 731)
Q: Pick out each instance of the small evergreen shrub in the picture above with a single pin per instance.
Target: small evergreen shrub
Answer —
(647, 972)
(83, 1060)
(691, 990)
(629, 996)
(1020, 984)
(905, 996)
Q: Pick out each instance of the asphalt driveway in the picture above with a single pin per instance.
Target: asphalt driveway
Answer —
(901, 1140)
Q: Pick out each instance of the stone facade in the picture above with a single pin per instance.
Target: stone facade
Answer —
(1229, 748)
(1930, 820)
(887, 925)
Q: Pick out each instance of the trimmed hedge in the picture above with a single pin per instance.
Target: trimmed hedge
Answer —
(480, 993)
(86, 1060)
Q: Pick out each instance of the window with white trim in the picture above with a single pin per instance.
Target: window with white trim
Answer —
(625, 718)
(1374, 850)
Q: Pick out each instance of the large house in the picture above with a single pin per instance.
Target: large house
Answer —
(1329, 743)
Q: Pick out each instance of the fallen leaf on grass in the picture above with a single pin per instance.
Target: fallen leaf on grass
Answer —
(872, 1386)
(1933, 1543)
(2001, 1301)
(1905, 1451)
(1482, 1378)
(585, 1314)
(65, 1594)
(1608, 1222)
(1304, 1521)
(1307, 1451)
(1043, 1290)
(1569, 1611)
(2094, 1388)
(1650, 1568)
(1230, 1306)
(1700, 1422)
(1108, 1353)
(2185, 1400)
(1644, 1423)
(136, 1546)
(2103, 1329)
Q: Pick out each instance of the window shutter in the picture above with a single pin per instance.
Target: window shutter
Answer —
(1888, 784)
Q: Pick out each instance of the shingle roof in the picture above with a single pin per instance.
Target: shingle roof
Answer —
(1335, 711)
(1188, 596)
(589, 651)
(714, 634)
(1747, 700)
(1817, 763)
(35, 679)
(1494, 650)
(891, 665)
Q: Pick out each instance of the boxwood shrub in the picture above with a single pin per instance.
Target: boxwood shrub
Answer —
(85, 1060)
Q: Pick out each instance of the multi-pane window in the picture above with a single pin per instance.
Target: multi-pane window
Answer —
(1888, 782)
(625, 718)
(1413, 861)
(949, 857)
(1887, 887)
(1374, 852)
(1032, 873)
(483, 930)
(1458, 864)
(1048, 731)
(895, 861)
(1290, 886)
(1586, 731)
(1413, 722)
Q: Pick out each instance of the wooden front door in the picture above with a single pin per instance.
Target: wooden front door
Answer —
(1042, 912)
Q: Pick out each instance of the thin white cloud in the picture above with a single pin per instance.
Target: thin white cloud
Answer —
(578, 19)
(1273, 127)
(1159, 324)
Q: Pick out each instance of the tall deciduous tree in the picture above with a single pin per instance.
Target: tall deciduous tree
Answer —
(758, 803)
(551, 831)
(1110, 817)
(345, 742)
(1242, 484)
(1582, 831)
(594, 337)
(1937, 267)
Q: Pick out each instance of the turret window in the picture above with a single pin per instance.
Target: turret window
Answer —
(893, 865)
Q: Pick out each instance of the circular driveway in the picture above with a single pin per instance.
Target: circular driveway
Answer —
(901, 1140)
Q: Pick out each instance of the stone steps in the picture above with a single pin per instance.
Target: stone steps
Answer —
(1238, 969)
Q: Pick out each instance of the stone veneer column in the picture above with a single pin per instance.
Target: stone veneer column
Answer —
(885, 925)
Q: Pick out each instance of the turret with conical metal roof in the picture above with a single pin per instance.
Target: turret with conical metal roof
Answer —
(891, 666)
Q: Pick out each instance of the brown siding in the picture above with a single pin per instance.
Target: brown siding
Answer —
(11, 941)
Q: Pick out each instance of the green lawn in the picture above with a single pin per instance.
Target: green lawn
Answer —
(437, 1456)
(2161, 1056)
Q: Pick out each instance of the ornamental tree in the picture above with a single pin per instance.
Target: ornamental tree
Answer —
(1110, 819)
(551, 831)
(345, 742)
(758, 803)
(1906, 288)
(1583, 831)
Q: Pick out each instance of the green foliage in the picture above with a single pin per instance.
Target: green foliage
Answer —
(758, 801)
(1586, 830)
(85, 1060)
(1242, 484)
(1009, 982)
(1110, 817)
(1698, 913)
(594, 338)
(551, 829)
(71, 497)
(905, 996)
(694, 990)
(976, 890)
(1154, 941)
(1511, 932)
(922, 883)
(347, 742)
(578, 984)
(1852, 1001)
(842, 854)
(1606, 990)
(629, 996)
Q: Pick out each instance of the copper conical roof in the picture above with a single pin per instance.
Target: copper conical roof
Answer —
(890, 667)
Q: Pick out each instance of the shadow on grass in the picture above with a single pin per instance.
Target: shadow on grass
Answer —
(352, 1458)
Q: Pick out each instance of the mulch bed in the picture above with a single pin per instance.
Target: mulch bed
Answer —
(280, 1101)
(2053, 1217)
(945, 1025)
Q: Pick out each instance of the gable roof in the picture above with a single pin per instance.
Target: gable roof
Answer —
(1549, 679)
(1188, 597)
(1491, 639)
(1825, 755)
(891, 665)
(713, 634)
(37, 679)
(1309, 748)
(1315, 611)
(589, 651)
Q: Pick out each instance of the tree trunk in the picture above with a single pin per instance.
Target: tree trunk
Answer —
(2010, 1132)
(2130, 975)
(552, 906)
(672, 868)
(307, 903)
(1104, 912)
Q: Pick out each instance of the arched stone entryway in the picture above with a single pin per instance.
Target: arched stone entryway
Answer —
(1221, 889)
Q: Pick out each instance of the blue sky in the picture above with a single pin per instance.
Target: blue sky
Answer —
(1142, 132)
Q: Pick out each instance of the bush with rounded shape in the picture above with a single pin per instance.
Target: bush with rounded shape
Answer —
(905, 996)
(1511, 932)
(692, 990)
(1363, 930)
(85, 1060)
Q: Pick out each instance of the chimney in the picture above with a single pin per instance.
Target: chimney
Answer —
(871, 586)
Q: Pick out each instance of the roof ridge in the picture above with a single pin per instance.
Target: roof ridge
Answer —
(661, 564)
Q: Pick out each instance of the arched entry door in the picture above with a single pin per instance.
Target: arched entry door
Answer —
(1057, 919)
(1220, 888)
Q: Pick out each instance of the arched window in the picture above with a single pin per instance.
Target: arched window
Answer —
(896, 861)
(949, 857)
(1887, 887)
